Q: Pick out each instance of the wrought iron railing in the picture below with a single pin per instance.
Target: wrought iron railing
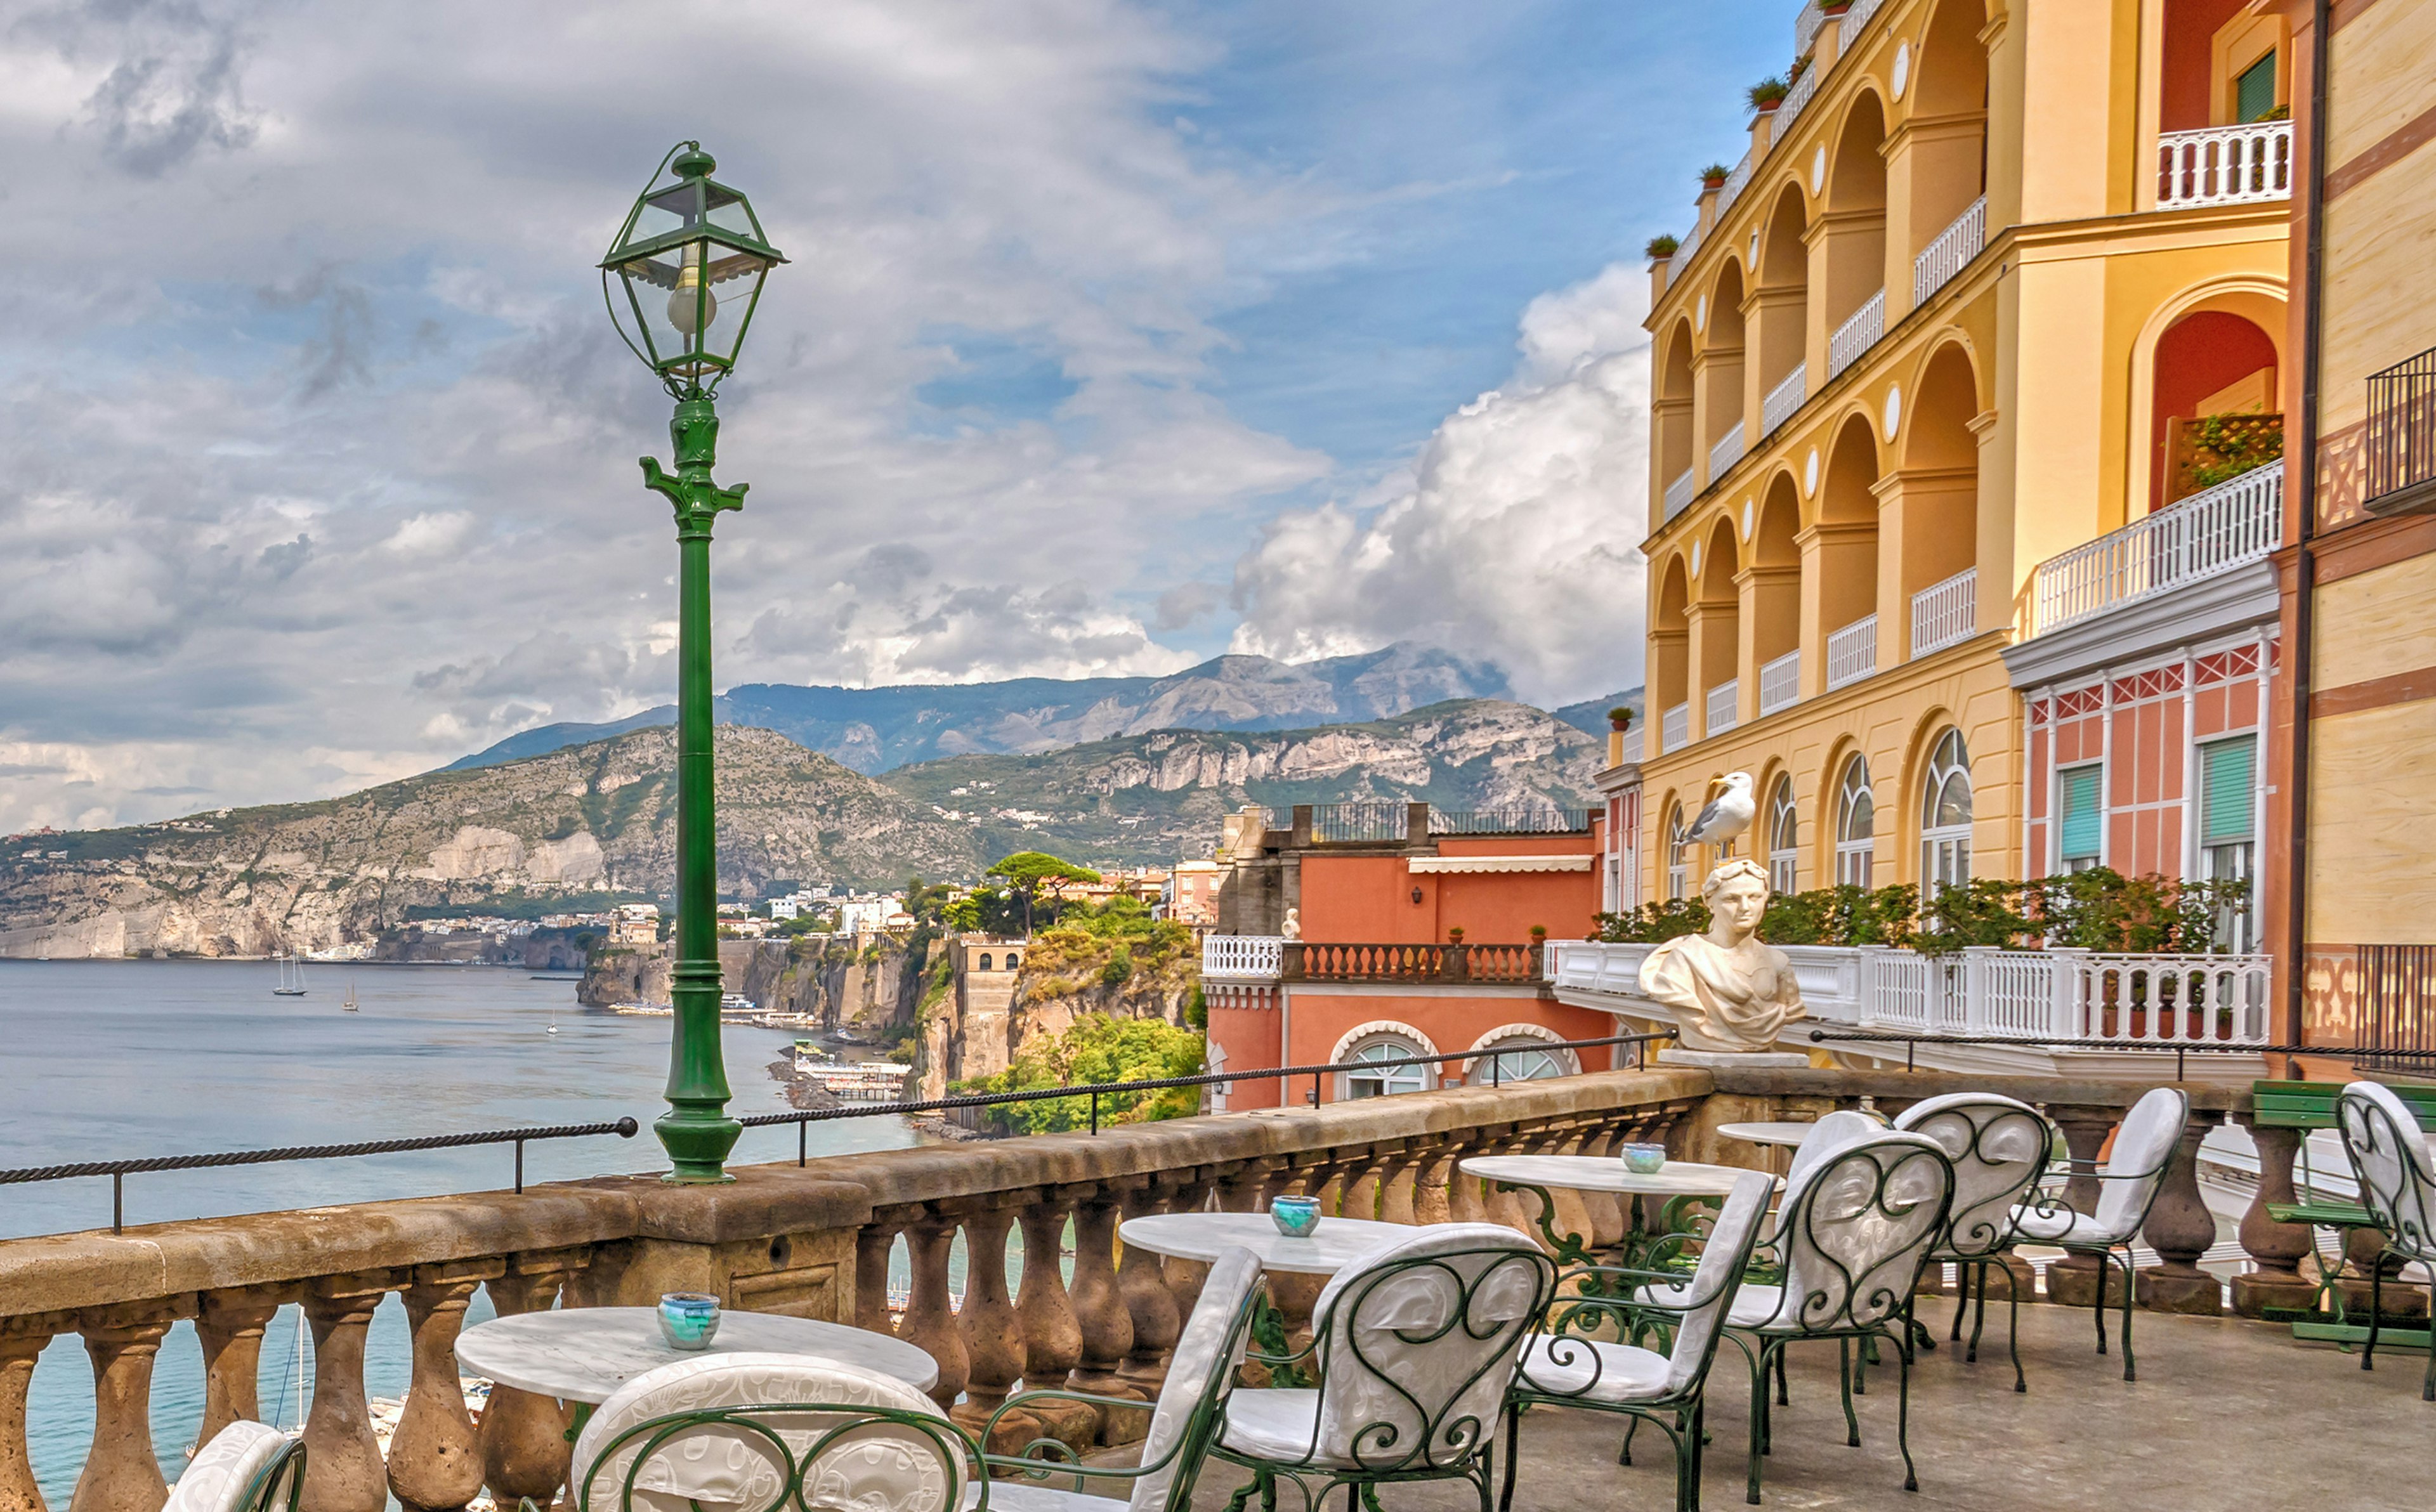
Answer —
(2235, 522)
(2225, 165)
(2401, 427)
(1944, 613)
(1342, 822)
(1780, 683)
(2397, 1007)
(1858, 333)
(1853, 652)
(1784, 398)
(1720, 710)
(1675, 727)
(1950, 252)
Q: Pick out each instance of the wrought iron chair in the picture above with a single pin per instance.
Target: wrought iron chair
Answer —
(1560, 1369)
(759, 1433)
(247, 1466)
(2135, 1171)
(2398, 1186)
(1862, 1205)
(1999, 1149)
(1200, 1373)
(1415, 1348)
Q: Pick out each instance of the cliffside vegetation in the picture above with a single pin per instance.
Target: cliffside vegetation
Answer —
(1097, 1048)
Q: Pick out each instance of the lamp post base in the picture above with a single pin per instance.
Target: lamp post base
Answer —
(698, 1145)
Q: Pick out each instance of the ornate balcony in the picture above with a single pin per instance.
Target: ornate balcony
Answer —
(2237, 522)
(2225, 165)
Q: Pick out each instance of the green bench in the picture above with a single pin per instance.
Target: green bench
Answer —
(2312, 1105)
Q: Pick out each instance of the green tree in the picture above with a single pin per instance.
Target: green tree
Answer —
(1027, 870)
(1097, 1048)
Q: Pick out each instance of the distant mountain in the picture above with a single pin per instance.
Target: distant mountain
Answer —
(879, 729)
(1151, 798)
(1589, 715)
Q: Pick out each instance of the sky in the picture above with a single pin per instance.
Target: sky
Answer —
(1115, 335)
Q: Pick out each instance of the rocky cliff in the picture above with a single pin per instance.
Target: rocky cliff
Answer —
(977, 1028)
(873, 990)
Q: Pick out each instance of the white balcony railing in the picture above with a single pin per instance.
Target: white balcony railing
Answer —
(1675, 728)
(1682, 257)
(1784, 398)
(1678, 494)
(2029, 994)
(1244, 957)
(1950, 252)
(1728, 451)
(1858, 334)
(1780, 683)
(2237, 522)
(1722, 709)
(1946, 613)
(1794, 99)
(1853, 652)
(2225, 165)
(1733, 189)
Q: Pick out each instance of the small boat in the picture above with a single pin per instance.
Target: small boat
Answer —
(291, 977)
(349, 1005)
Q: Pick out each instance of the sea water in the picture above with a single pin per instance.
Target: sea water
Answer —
(111, 1059)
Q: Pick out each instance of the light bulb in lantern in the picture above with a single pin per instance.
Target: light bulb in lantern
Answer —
(692, 307)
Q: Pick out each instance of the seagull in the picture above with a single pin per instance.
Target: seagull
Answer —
(1729, 812)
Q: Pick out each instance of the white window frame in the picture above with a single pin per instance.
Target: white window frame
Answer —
(1678, 856)
(1784, 838)
(1944, 849)
(1855, 858)
(2055, 806)
(1513, 1039)
(1394, 1040)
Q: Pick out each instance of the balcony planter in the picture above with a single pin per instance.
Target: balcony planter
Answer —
(1620, 721)
(1714, 176)
(1767, 95)
(1661, 248)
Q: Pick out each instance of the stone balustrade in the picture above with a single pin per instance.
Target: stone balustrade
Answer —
(816, 1240)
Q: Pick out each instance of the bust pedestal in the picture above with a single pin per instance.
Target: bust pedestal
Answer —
(1749, 1060)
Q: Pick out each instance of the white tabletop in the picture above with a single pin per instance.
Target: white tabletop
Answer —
(586, 1353)
(1786, 1132)
(1207, 1236)
(1585, 1172)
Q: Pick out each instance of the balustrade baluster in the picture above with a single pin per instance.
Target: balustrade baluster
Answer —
(2073, 1279)
(1361, 1188)
(994, 1343)
(1603, 1218)
(523, 1435)
(1142, 1280)
(2278, 1248)
(874, 1244)
(1399, 1176)
(22, 1342)
(1053, 1339)
(1465, 1200)
(930, 1314)
(1100, 1310)
(230, 1329)
(1186, 1277)
(1514, 1210)
(122, 1474)
(435, 1460)
(342, 1459)
(2180, 1228)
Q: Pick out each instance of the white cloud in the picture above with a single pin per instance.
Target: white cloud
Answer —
(1514, 536)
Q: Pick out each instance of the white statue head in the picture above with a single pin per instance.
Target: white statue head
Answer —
(1736, 893)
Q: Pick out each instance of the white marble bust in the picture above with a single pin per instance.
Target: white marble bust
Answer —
(1729, 989)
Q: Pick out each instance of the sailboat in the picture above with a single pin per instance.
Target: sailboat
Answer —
(291, 977)
(348, 1005)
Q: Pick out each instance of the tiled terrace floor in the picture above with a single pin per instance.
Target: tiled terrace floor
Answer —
(2227, 1416)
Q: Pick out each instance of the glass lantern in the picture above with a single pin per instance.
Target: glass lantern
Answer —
(687, 267)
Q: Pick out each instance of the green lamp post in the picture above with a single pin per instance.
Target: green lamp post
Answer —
(689, 263)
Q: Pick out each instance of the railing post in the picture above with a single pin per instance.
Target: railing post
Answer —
(122, 1474)
(994, 1339)
(1291, 964)
(930, 1314)
(2277, 1249)
(229, 1328)
(342, 1459)
(2180, 1228)
(1107, 1325)
(2072, 1280)
(523, 1435)
(435, 1460)
(875, 1245)
(22, 1342)
(1454, 962)
(2071, 986)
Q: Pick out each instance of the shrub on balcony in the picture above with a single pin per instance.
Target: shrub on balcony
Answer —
(1769, 92)
(1662, 247)
(2219, 449)
(1715, 175)
(1096, 1048)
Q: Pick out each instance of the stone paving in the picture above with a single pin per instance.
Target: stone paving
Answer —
(2228, 1415)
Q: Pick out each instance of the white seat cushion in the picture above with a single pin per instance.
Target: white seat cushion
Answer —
(1753, 1305)
(2063, 1227)
(1593, 1370)
(1275, 1424)
(1015, 1496)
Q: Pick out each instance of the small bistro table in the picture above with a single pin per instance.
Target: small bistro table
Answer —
(1785, 1133)
(1328, 1248)
(583, 1354)
(1676, 1183)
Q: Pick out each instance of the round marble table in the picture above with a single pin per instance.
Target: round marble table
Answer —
(586, 1353)
(1205, 1236)
(1787, 1134)
(1585, 1172)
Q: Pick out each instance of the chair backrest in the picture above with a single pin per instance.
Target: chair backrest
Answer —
(1417, 1343)
(2144, 1145)
(1999, 1147)
(730, 1432)
(1837, 1131)
(1855, 1231)
(2390, 1156)
(1718, 1276)
(1199, 1375)
(247, 1466)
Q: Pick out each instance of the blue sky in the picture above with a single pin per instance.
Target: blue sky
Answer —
(1117, 335)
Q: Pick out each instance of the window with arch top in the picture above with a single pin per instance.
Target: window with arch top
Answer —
(1784, 840)
(1517, 1058)
(1678, 854)
(1384, 1081)
(1945, 816)
(1856, 829)
(985, 960)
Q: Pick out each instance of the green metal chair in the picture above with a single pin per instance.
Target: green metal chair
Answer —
(2398, 1186)
(1200, 1373)
(2135, 1171)
(247, 1466)
(1415, 1349)
(1567, 1367)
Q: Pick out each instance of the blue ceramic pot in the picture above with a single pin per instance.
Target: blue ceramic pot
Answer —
(1296, 1217)
(689, 1320)
(1644, 1159)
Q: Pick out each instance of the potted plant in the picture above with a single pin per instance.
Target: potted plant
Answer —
(1619, 718)
(1714, 176)
(1768, 93)
(1539, 934)
(1662, 247)
(1834, 7)
(1454, 935)
(1800, 66)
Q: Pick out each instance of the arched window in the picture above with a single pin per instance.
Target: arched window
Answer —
(1784, 840)
(1013, 959)
(1945, 817)
(1519, 1058)
(1855, 824)
(985, 960)
(1386, 1081)
(1678, 854)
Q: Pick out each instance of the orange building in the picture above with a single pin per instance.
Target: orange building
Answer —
(1372, 933)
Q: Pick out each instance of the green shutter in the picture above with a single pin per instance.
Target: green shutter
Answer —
(2228, 771)
(2079, 803)
(2254, 92)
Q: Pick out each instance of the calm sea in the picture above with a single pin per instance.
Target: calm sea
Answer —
(106, 1059)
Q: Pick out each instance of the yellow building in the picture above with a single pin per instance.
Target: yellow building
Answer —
(1927, 460)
